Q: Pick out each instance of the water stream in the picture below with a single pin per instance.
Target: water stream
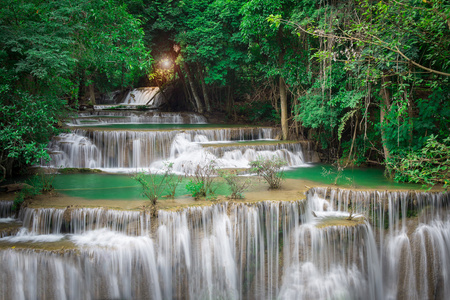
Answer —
(396, 247)
(147, 146)
(334, 244)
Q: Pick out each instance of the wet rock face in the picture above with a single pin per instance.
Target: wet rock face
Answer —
(14, 187)
(9, 229)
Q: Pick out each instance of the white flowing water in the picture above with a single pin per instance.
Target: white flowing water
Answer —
(143, 96)
(131, 151)
(95, 118)
(398, 248)
(6, 209)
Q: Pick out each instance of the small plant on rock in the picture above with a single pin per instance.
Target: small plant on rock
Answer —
(172, 180)
(196, 189)
(154, 185)
(46, 178)
(270, 169)
(201, 183)
(236, 184)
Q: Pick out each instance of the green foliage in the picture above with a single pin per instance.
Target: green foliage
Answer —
(110, 45)
(196, 189)
(201, 182)
(270, 169)
(49, 53)
(237, 184)
(46, 178)
(337, 58)
(429, 165)
(27, 123)
(258, 112)
(366, 61)
(154, 185)
(41, 182)
(367, 79)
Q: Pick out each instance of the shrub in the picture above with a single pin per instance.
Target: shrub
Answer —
(46, 179)
(196, 189)
(153, 185)
(201, 183)
(236, 184)
(429, 165)
(35, 185)
(270, 169)
(172, 180)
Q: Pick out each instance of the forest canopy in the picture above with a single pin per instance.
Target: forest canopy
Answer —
(367, 80)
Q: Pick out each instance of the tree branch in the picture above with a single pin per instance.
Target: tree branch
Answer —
(381, 43)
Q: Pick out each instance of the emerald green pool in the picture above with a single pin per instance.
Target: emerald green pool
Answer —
(120, 186)
(112, 186)
(349, 177)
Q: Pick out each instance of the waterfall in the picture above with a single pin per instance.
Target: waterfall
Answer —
(413, 233)
(395, 247)
(127, 272)
(42, 221)
(9, 225)
(135, 150)
(80, 220)
(142, 96)
(6, 209)
(95, 118)
(329, 264)
(291, 152)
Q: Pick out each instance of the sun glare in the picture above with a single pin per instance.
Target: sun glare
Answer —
(166, 63)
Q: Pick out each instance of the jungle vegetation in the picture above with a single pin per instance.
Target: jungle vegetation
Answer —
(368, 80)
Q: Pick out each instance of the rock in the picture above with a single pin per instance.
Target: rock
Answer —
(14, 187)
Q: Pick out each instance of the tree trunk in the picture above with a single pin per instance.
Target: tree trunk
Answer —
(283, 90)
(185, 87)
(283, 105)
(230, 99)
(161, 90)
(205, 92)
(81, 86)
(92, 93)
(410, 120)
(198, 101)
(384, 107)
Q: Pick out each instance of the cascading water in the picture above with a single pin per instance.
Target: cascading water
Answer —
(397, 246)
(148, 96)
(95, 118)
(6, 209)
(136, 150)
(143, 96)
(9, 225)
